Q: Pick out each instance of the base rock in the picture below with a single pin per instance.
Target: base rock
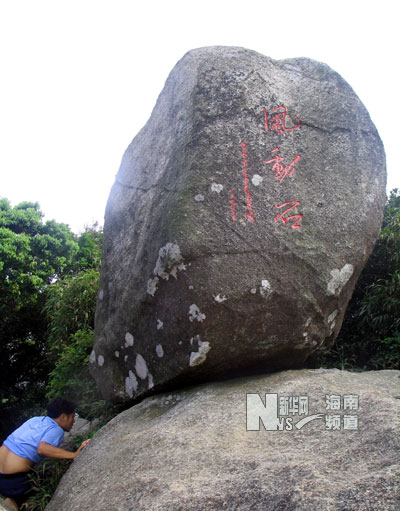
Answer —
(190, 451)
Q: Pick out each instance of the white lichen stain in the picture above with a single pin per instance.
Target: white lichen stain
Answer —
(198, 357)
(152, 286)
(216, 188)
(100, 360)
(253, 291)
(308, 322)
(339, 279)
(220, 298)
(116, 353)
(174, 271)
(169, 261)
(141, 367)
(159, 350)
(151, 382)
(92, 358)
(160, 324)
(265, 289)
(101, 294)
(131, 384)
(332, 316)
(256, 179)
(129, 340)
(194, 313)
(169, 256)
(190, 287)
(125, 358)
(199, 198)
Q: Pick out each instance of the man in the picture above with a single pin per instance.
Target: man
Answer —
(36, 438)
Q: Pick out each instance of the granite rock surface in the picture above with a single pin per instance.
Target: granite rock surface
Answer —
(4, 506)
(194, 450)
(240, 219)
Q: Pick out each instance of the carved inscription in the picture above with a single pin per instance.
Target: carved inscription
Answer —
(274, 122)
(233, 205)
(249, 200)
(281, 216)
(281, 171)
(277, 121)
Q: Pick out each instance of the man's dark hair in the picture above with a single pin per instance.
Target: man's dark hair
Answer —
(60, 405)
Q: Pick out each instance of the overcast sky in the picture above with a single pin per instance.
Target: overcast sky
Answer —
(80, 78)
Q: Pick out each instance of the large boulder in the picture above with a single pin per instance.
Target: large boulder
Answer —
(196, 450)
(238, 224)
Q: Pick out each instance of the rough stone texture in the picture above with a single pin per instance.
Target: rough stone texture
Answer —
(201, 277)
(81, 427)
(4, 506)
(191, 452)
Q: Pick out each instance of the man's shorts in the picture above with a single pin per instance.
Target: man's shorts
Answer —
(15, 486)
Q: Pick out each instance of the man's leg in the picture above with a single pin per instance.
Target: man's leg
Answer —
(15, 488)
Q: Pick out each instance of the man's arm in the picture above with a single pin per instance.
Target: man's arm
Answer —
(48, 450)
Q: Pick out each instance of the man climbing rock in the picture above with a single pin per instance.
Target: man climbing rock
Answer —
(37, 438)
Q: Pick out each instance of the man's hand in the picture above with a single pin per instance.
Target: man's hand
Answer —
(82, 446)
(50, 451)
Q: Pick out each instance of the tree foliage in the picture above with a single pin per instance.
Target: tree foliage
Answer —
(34, 257)
(70, 309)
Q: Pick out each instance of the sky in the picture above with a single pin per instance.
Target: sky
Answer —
(80, 78)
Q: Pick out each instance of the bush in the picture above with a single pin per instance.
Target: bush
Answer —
(71, 377)
(45, 478)
(70, 308)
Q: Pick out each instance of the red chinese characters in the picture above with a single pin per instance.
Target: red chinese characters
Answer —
(277, 121)
(233, 205)
(249, 215)
(285, 217)
(288, 213)
(281, 171)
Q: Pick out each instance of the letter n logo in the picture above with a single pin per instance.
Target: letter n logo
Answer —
(268, 412)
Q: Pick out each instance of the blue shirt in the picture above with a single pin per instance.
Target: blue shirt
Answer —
(25, 440)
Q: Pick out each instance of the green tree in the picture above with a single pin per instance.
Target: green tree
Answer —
(33, 254)
(90, 244)
(370, 335)
(70, 309)
(34, 257)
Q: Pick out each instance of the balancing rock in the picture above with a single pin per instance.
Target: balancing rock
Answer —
(238, 224)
